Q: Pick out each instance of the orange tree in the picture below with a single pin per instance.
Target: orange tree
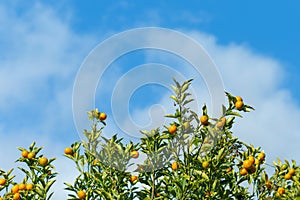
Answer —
(194, 157)
(39, 177)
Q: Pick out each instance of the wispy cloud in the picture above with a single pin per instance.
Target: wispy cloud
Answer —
(40, 55)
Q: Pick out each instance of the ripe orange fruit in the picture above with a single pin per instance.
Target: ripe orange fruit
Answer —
(133, 178)
(29, 186)
(251, 159)
(2, 181)
(158, 195)
(1, 198)
(243, 172)
(31, 155)
(102, 116)
(205, 164)
(238, 98)
(17, 196)
(261, 156)
(281, 191)
(239, 105)
(247, 164)
(134, 154)
(81, 194)
(292, 171)
(257, 162)
(269, 185)
(172, 129)
(287, 176)
(15, 189)
(174, 166)
(68, 151)
(43, 161)
(22, 186)
(204, 120)
(24, 154)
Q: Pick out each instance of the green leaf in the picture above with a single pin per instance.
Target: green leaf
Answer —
(175, 89)
(174, 98)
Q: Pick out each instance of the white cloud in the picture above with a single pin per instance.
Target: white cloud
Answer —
(258, 78)
(41, 55)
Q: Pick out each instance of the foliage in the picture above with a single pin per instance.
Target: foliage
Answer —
(39, 176)
(194, 157)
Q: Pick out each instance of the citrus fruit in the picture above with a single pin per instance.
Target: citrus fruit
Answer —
(81, 194)
(239, 105)
(29, 186)
(31, 155)
(16, 196)
(68, 151)
(172, 129)
(243, 172)
(22, 186)
(134, 154)
(287, 176)
(133, 178)
(2, 181)
(102, 116)
(247, 164)
(15, 189)
(24, 154)
(205, 164)
(292, 171)
(238, 98)
(43, 161)
(251, 159)
(261, 156)
(204, 120)
(281, 191)
(174, 166)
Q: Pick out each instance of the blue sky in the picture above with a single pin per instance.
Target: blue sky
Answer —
(255, 46)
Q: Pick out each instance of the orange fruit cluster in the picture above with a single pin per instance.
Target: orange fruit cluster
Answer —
(248, 166)
(290, 174)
